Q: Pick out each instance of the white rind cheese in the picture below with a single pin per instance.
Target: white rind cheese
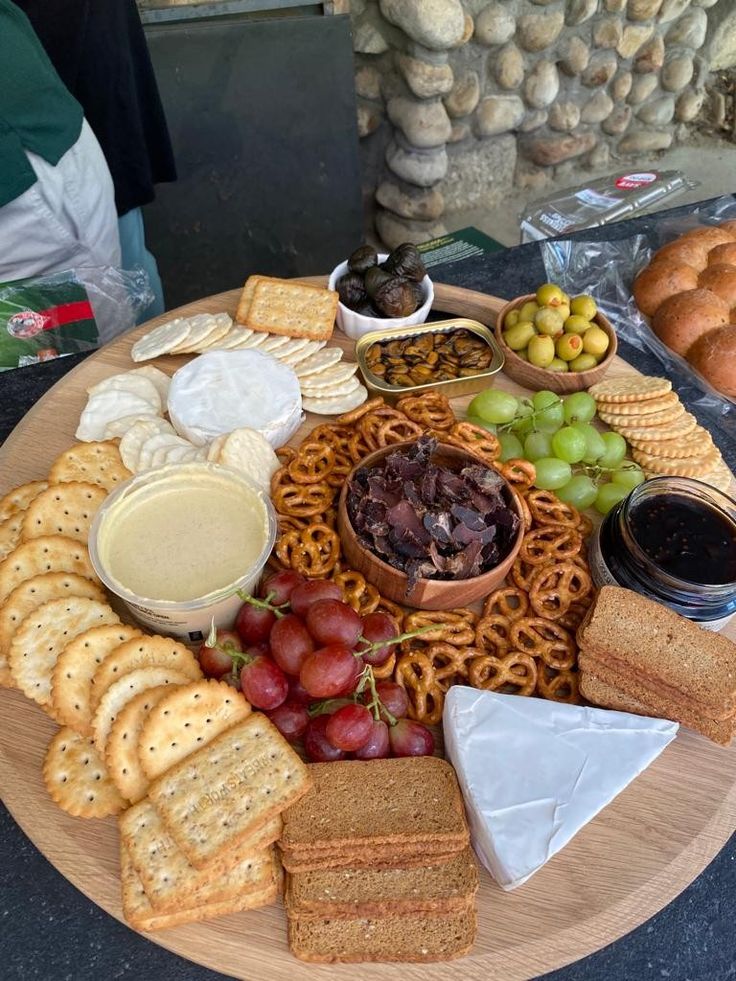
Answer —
(225, 390)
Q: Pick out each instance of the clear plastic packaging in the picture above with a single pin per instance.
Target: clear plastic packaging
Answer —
(76, 310)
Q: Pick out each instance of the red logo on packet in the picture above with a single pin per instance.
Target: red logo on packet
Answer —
(629, 181)
(28, 323)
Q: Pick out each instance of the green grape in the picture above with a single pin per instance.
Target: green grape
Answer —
(477, 421)
(595, 447)
(523, 423)
(615, 450)
(628, 475)
(495, 406)
(579, 407)
(548, 410)
(511, 448)
(552, 473)
(609, 495)
(537, 445)
(543, 399)
(568, 444)
(580, 492)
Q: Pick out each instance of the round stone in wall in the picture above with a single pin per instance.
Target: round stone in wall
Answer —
(437, 24)
(632, 39)
(607, 33)
(658, 112)
(424, 124)
(564, 116)
(460, 131)
(677, 72)
(542, 85)
(646, 139)
(642, 88)
(548, 150)
(368, 33)
(618, 121)
(368, 82)
(464, 96)
(614, 7)
(499, 114)
(574, 56)
(494, 25)
(671, 9)
(578, 11)
(597, 108)
(601, 69)
(689, 104)
(690, 30)
(394, 231)
(424, 79)
(642, 9)
(508, 67)
(537, 31)
(370, 117)
(651, 57)
(534, 120)
(621, 85)
(422, 169)
(425, 204)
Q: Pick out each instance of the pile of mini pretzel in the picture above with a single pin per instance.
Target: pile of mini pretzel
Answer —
(523, 642)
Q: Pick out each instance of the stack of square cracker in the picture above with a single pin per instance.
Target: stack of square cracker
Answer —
(665, 440)
(379, 864)
(201, 843)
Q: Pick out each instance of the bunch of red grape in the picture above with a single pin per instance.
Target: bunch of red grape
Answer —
(305, 658)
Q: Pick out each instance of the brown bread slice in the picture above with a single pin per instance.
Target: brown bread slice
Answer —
(661, 648)
(412, 938)
(603, 686)
(398, 860)
(449, 887)
(376, 803)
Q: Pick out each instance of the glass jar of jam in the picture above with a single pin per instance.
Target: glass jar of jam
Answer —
(672, 539)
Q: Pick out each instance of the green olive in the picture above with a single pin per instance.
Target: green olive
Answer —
(549, 295)
(528, 310)
(541, 351)
(584, 306)
(557, 364)
(548, 321)
(583, 362)
(595, 341)
(511, 319)
(564, 310)
(569, 346)
(518, 337)
(575, 324)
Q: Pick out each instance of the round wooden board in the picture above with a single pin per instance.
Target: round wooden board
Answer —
(624, 866)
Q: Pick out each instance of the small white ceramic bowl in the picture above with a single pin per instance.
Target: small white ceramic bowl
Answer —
(355, 324)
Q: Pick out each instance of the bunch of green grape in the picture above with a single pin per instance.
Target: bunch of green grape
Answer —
(584, 467)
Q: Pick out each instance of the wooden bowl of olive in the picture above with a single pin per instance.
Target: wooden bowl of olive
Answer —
(526, 335)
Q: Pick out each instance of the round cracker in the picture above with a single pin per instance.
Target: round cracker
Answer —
(121, 752)
(134, 438)
(63, 509)
(249, 452)
(339, 389)
(647, 434)
(77, 779)
(71, 680)
(630, 388)
(720, 477)
(335, 406)
(160, 340)
(330, 377)
(677, 466)
(142, 652)
(315, 363)
(42, 636)
(204, 328)
(660, 418)
(50, 553)
(19, 498)
(694, 444)
(643, 407)
(185, 720)
(132, 384)
(273, 343)
(299, 354)
(10, 530)
(92, 463)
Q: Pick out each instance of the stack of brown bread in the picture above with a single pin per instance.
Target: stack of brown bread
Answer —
(637, 656)
(378, 864)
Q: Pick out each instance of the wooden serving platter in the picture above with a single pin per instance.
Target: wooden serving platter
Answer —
(624, 866)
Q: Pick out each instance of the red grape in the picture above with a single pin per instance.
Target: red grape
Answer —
(263, 683)
(409, 738)
(263, 649)
(349, 727)
(213, 662)
(281, 585)
(378, 626)
(316, 744)
(331, 621)
(232, 679)
(309, 592)
(329, 671)
(290, 643)
(254, 624)
(377, 746)
(394, 698)
(297, 691)
(291, 719)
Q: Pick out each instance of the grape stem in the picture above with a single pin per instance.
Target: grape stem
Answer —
(375, 705)
(239, 658)
(394, 640)
(262, 604)
(535, 413)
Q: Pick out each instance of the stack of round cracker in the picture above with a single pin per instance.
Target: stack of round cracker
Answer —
(665, 440)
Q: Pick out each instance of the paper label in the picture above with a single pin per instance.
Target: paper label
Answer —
(630, 181)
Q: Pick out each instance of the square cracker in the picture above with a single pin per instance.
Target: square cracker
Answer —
(171, 883)
(139, 913)
(246, 297)
(293, 309)
(221, 795)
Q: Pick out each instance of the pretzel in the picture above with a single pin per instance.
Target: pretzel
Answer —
(574, 616)
(415, 674)
(431, 409)
(521, 474)
(359, 594)
(337, 436)
(397, 431)
(393, 610)
(369, 424)
(521, 572)
(555, 542)
(548, 509)
(515, 673)
(544, 639)
(524, 512)
(357, 447)
(339, 473)
(287, 523)
(451, 663)
(554, 588)
(313, 551)
(348, 418)
(383, 672)
(585, 525)
(508, 601)
(475, 440)
(559, 686)
(455, 627)
(313, 463)
(302, 500)
(492, 634)
(286, 454)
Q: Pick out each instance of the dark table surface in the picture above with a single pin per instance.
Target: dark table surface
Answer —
(50, 931)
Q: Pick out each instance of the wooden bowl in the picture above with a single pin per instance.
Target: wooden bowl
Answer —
(535, 378)
(428, 594)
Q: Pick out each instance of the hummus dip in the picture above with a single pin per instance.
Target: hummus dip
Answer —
(182, 533)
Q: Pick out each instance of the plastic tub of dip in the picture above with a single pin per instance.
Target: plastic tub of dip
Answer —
(176, 543)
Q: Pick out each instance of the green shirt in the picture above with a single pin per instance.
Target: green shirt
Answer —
(37, 113)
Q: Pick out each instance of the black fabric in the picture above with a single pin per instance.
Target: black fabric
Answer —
(100, 52)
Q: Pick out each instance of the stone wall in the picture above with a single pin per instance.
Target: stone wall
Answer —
(460, 101)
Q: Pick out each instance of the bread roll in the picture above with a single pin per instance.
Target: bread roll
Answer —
(723, 253)
(682, 318)
(728, 226)
(691, 253)
(661, 280)
(721, 279)
(714, 356)
(708, 235)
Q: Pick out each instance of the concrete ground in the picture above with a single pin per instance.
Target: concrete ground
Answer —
(711, 162)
